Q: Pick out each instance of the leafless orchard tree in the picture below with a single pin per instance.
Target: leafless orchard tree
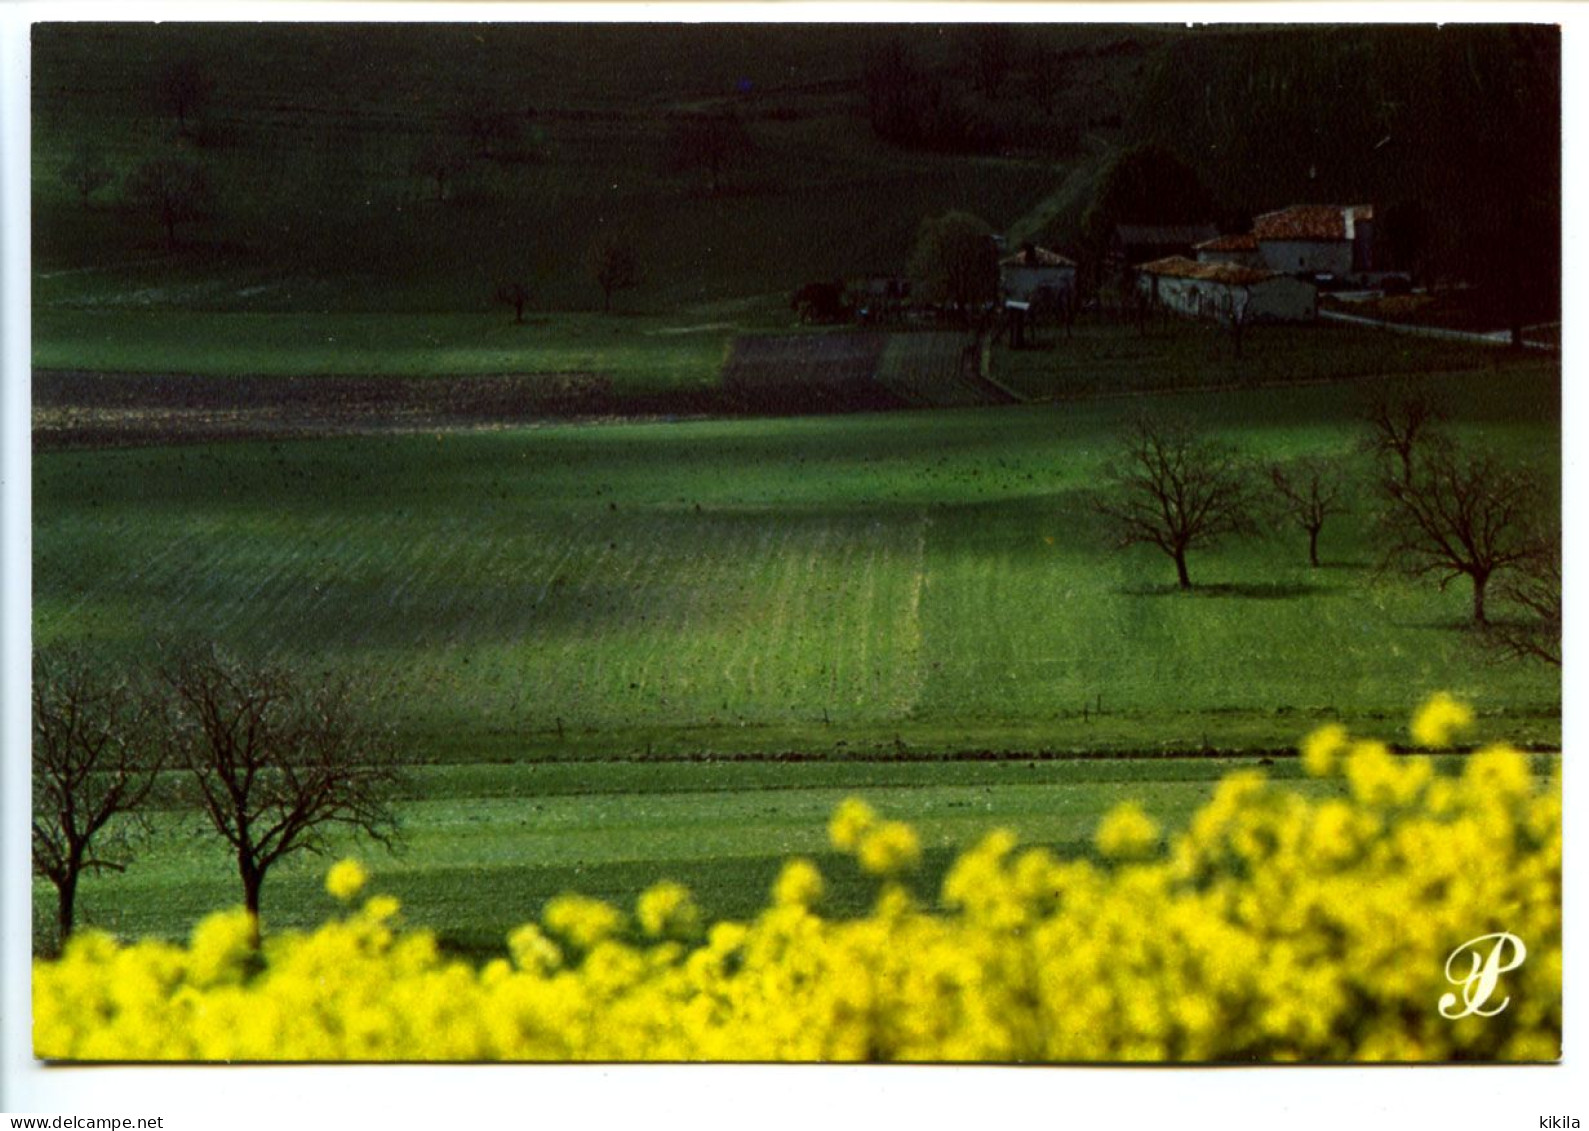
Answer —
(1401, 414)
(277, 759)
(709, 142)
(1461, 513)
(86, 172)
(1171, 488)
(174, 190)
(1533, 590)
(95, 758)
(1309, 491)
(513, 294)
(440, 158)
(613, 265)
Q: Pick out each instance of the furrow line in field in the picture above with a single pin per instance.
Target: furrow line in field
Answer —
(910, 655)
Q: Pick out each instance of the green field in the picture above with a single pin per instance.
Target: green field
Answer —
(917, 582)
(486, 846)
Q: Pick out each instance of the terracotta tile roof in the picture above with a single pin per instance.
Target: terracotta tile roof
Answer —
(1311, 222)
(1228, 274)
(1247, 242)
(1036, 257)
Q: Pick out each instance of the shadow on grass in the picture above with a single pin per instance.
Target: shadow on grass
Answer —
(1255, 591)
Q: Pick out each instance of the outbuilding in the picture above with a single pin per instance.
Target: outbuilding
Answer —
(1318, 239)
(1222, 292)
(1038, 276)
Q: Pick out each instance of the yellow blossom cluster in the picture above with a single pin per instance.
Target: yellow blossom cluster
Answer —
(1277, 926)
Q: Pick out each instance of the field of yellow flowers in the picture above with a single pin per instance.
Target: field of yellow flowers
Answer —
(1274, 928)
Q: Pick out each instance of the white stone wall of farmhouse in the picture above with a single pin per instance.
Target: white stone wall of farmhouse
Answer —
(1312, 257)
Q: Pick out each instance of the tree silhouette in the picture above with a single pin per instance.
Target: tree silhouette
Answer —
(1310, 490)
(1402, 415)
(515, 295)
(613, 265)
(713, 142)
(1171, 488)
(94, 759)
(1460, 513)
(1533, 589)
(441, 158)
(172, 189)
(277, 759)
(86, 172)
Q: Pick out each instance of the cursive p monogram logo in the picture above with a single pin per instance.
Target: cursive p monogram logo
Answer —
(1489, 956)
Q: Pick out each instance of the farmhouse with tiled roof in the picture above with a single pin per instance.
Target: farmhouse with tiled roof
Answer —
(1318, 239)
(1224, 292)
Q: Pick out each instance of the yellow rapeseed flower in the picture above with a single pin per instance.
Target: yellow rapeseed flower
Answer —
(852, 820)
(667, 908)
(798, 884)
(1323, 748)
(1440, 719)
(1127, 833)
(889, 849)
(346, 879)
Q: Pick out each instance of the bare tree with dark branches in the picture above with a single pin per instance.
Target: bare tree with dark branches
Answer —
(1533, 590)
(613, 264)
(86, 172)
(1310, 490)
(1401, 414)
(1171, 488)
(173, 190)
(94, 760)
(277, 760)
(1460, 513)
(516, 295)
(710, 142)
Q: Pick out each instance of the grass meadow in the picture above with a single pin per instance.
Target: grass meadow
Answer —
(623, 652)
(486, 846)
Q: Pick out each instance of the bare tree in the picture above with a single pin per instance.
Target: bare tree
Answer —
(1171, 488)
(712, 142)
(94, 759)
(613, 264)
(172, 189)
(439, 159)
(1533, 590)
(1401, 413)
(277, 760)
(86, 172)
(516, 295)
(1460, 513)
(183, 89)
(1310, 490)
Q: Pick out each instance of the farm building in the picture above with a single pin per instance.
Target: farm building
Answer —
(1318, 239)
(1220, 291)
(1134, 244)
(1241, 250)
(1037, 276)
